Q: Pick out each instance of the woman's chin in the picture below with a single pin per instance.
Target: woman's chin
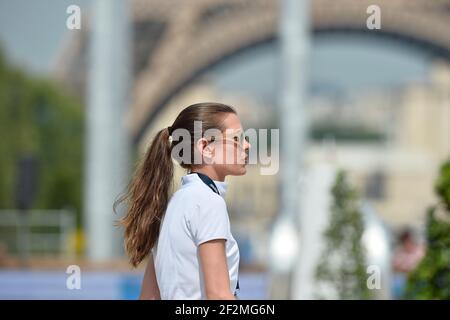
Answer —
(239, 170)
(242, 169)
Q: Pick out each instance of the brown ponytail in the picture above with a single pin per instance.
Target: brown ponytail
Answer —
(147, 198)
(148, 192)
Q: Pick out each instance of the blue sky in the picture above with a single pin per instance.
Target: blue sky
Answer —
(32, 31)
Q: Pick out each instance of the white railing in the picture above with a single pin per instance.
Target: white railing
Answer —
(38, 232)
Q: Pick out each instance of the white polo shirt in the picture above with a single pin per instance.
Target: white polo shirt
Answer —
(195, 214)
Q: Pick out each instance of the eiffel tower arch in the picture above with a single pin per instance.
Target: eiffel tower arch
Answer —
(176, 41)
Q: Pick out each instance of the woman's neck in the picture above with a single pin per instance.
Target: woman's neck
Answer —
(210, 172)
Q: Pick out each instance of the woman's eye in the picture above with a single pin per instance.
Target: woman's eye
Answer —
(236, 138)
(247, 138)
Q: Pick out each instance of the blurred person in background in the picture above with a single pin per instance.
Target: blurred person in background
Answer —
(407, 255)
(193, 253)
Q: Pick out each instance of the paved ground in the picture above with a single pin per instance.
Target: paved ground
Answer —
(17, 284)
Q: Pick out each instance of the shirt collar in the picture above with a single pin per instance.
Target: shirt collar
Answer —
(193, 177)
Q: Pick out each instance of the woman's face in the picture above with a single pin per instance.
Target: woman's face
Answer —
(230, 151)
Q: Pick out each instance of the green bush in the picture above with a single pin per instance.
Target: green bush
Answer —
(342, 266)
(431, 278)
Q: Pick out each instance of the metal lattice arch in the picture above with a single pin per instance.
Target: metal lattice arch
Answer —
(175, 41)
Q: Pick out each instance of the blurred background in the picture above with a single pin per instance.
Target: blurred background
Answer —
(359, 208)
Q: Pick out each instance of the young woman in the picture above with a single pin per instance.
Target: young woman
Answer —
(191, 251)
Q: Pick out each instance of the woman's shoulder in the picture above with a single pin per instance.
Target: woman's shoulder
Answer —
(199, 193)
(198, 198)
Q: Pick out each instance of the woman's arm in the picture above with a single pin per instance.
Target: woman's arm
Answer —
(215, 270)
(149, 289)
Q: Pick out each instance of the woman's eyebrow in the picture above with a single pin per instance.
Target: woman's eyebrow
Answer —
(235, 130)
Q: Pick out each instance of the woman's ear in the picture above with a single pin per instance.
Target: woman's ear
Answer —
(205, 149)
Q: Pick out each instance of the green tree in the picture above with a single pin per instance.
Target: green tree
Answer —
(38, 118)
(431, 278)
(342, 266)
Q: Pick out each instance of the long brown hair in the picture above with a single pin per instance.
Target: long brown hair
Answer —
(147, 194)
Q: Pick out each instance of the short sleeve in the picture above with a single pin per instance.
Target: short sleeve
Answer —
(209, 221)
